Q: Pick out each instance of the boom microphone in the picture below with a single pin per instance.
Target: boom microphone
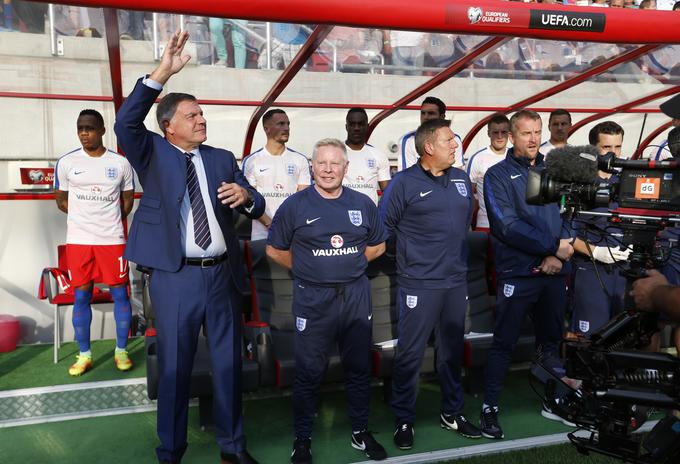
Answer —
(573, 164)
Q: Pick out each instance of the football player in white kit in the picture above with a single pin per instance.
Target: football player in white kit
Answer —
(498, 130)
(275, 170)
(431, 108)
(559, 124)
(89, 183)
(369, 168)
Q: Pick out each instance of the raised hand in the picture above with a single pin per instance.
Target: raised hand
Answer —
(172, 60)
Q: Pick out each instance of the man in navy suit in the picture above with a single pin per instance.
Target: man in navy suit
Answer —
(183, 231)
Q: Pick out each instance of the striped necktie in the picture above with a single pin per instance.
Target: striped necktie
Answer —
(201, 227)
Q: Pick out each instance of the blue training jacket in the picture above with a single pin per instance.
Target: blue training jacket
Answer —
(430, 218)
(522, 234)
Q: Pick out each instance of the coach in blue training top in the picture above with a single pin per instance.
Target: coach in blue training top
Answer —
(327, 234)
(428, 209)
(530, 256)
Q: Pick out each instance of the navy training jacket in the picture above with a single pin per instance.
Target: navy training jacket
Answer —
(522, 234)
(430, 219)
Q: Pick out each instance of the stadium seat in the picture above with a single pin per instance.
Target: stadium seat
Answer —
(55, 287)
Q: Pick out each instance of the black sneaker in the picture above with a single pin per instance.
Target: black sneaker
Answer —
(302, 451)
(403, 436)
(364, 441)
(460, 424)
(549, 408)
(488, 420)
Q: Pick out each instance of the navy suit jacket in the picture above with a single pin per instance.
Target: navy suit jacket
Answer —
(155, 238)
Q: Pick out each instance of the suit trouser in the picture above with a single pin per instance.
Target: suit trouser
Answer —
(324, 315)
(544, 298)
(185, 301)
(421, 311)
(592, 306)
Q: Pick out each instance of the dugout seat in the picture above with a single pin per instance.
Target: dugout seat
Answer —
(55, 287)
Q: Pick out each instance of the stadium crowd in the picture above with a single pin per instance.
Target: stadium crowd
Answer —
(243, 44)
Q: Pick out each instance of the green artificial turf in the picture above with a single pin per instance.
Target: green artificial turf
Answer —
(131, 438)
(32, 365)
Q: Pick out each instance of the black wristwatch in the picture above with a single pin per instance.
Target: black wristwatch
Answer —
(251, 200)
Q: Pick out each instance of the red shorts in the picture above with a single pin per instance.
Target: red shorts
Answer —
(98, 263)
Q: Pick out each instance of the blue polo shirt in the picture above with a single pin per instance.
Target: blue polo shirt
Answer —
(430, 218)
(327, 237)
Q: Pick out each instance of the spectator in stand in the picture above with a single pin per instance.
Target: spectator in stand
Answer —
(676, 7)
(287, 41)
(616, 4)
(238, 41)
(30, 14)
(665, 5)
(131, 24)
(79, 22)
(648, 5)
(7, 15)
(559, 124)
(407, 49)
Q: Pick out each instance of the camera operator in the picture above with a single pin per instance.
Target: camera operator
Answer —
(599, 286)
(654, 293)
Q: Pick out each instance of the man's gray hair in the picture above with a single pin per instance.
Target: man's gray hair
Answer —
(330, 142)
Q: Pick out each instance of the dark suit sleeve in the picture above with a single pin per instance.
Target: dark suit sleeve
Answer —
(133, 137)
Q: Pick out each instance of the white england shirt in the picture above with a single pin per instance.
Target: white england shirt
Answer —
(477, 166)
(546, 147)
(94, 185)
(408, 154)
(366, 168)
(276, 178)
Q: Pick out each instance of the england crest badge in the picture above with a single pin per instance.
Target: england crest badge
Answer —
(290, 169)
(300, 323)
(508, 290)
(355, 217)
(411, 301)
(584, 326)
(111, 173)
(462, 189)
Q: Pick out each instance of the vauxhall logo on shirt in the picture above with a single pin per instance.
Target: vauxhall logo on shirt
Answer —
(95, 195)
(337, 243)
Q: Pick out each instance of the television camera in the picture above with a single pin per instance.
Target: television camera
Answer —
(620, 382)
